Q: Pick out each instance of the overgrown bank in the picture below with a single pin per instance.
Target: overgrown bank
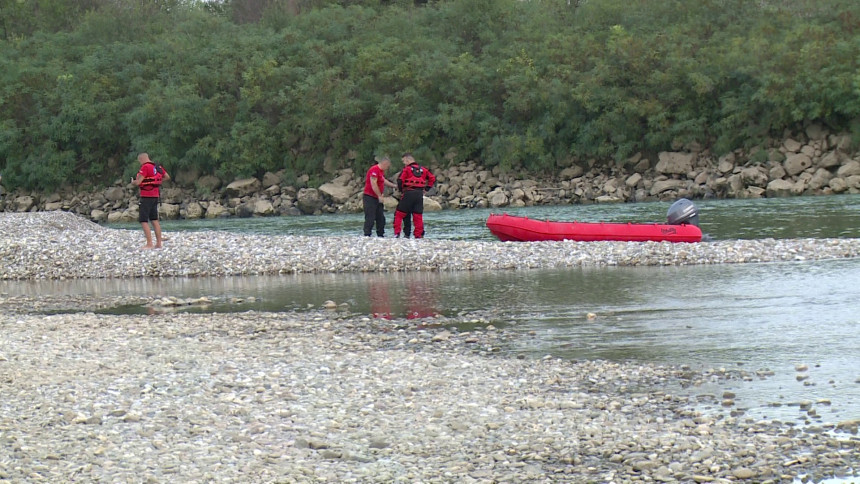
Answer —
(518, 87)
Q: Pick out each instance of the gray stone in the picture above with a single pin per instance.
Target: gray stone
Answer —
(216, 210)
(23, 203)
(754, 176)
(497, 199)
(833, 159)
(309, 200)
(114, 194)
(194, 211)
(263, 208)
(674, 163)
(665, 185)
(270, 179)
(779, 188)
(337, 193)
(848, 169)
(208, 183)
(431, 205)
(791, 146)
(794, 164)
(242, 188)
(168, 211)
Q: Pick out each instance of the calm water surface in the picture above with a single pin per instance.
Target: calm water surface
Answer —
(739, 317)
(834, 216)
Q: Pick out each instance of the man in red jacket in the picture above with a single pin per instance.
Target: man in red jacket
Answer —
(374, 185)
(149, 179)
(414, 180)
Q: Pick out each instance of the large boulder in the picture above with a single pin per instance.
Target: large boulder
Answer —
(263, 208)
(497, 198)
(168, 211)
(571, 172)
(832, 159)
(674, 163)
(794, 164)
(779, 188)
(309, 200)
(820, 179)
(337, 193)
(754, 176)
(431, 205)
(665, 185)
(114, 194)
(848, 169)
(270, 179)
(185, 177)
(242, 188)
(193, 211)
(208, 183)
(216, 210)
(24, 203)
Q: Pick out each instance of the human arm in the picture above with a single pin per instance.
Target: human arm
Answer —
(431, 180)
(375, 186)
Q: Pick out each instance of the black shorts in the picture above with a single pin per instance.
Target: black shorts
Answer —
(147, 209)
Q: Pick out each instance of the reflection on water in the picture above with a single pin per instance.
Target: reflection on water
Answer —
(749, 316)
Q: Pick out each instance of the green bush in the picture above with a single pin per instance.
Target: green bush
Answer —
(312, 86)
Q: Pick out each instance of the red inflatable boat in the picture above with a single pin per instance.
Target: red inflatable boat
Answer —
(522, 229)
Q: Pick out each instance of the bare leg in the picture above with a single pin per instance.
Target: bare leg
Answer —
(148, 235)
(157, 226)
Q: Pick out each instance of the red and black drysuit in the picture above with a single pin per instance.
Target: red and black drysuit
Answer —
(413, 181)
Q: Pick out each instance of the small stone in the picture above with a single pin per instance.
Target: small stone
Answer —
(743, 473)
(801, 367)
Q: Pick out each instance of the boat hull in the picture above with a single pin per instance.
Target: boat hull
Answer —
(522, 229)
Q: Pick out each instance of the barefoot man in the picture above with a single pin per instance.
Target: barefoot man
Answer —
(149, 179)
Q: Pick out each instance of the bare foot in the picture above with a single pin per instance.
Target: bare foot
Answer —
(147, 247)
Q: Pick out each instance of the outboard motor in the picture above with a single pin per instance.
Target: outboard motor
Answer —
(683, 212)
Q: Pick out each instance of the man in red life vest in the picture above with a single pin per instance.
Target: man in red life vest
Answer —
(374, 184)
(149, 179)
(414, 180)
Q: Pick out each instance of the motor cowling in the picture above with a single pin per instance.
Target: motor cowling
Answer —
(681, 212)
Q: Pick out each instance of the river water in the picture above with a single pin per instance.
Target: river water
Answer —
(751, 317)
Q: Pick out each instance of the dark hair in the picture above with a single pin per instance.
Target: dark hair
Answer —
(408, 153)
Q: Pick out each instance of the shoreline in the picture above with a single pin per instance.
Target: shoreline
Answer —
(61, 245)
(286, 397)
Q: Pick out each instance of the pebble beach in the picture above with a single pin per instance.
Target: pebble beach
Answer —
(320, 396)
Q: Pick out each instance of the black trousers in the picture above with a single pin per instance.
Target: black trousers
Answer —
(374, 211)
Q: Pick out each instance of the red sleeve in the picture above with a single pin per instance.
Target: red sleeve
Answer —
(431, 178)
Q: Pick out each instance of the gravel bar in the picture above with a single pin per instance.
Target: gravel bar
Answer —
(323, 396)
(60, 245)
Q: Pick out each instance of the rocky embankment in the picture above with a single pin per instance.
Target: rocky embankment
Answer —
(811, 163)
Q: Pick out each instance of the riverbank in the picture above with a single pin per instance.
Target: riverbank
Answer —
(313, 397)
(814, 162)
(61, 245)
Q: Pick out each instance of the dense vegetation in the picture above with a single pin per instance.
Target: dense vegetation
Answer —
(238, 88)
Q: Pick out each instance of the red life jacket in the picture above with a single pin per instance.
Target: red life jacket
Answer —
(154, 181)
(415, 177)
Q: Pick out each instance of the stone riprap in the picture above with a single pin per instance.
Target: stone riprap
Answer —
(812, 162)
(61, 245)
(314, 397)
